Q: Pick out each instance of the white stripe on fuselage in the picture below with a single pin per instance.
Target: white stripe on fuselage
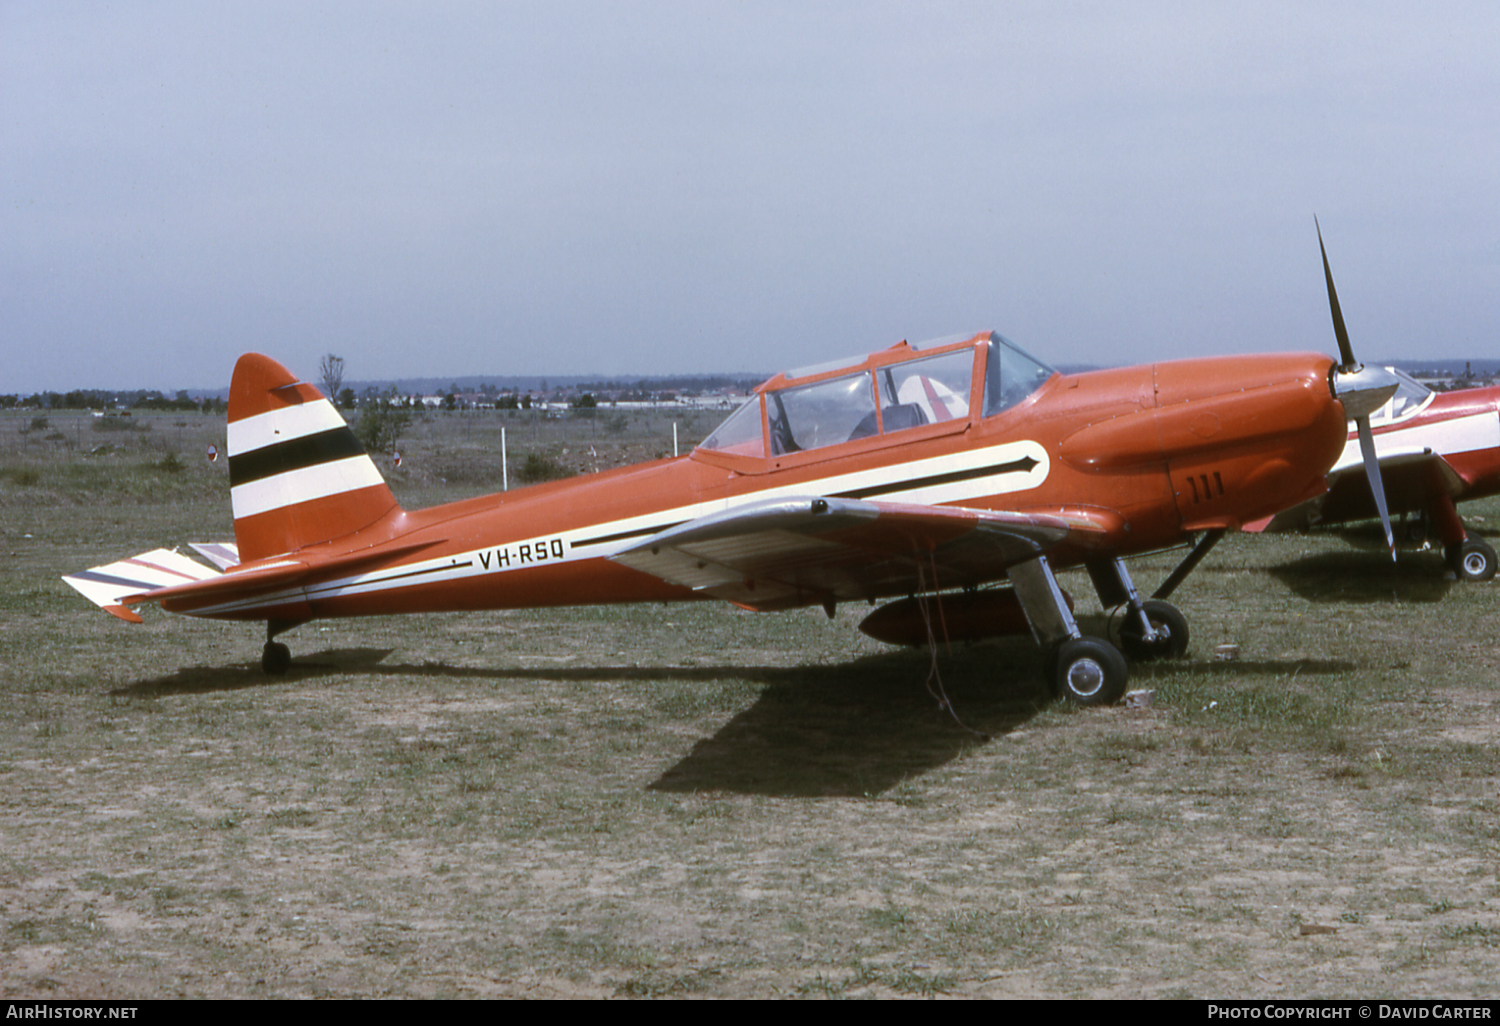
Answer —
(580, 542)
(1460, 434)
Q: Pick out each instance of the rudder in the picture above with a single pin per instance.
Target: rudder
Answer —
(297, 474)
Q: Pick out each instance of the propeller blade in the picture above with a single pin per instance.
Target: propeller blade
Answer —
(1346, 351)
(1372, 471)
(1361, 391)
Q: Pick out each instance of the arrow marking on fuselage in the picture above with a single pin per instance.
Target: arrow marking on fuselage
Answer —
(1023, 465)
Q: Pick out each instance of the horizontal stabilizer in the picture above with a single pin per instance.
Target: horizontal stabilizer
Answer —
(247, 585)
(106, 586)
(167, 576)
(282, 573)
(221, 554)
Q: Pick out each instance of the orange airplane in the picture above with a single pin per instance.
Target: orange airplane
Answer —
(936, 471)
(1434, 449)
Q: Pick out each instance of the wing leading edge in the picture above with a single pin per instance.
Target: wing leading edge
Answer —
(784, 553)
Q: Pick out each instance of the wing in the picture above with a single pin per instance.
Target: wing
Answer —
(783, 553)
(1411, 480)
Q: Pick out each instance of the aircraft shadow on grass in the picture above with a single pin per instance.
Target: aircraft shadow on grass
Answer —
(861, 728)
(1369, 537)
(855, 729)
(1363, 571)
(1356, 576)
(198, 680)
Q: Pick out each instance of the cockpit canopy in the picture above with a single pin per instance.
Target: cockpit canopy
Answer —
(1411, 397)
(894, 390)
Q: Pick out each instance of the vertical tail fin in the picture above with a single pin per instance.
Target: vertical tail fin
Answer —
(297, 474)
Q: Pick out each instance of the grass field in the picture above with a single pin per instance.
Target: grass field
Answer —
(696, 801)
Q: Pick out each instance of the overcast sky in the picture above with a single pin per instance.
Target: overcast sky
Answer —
(650, 187)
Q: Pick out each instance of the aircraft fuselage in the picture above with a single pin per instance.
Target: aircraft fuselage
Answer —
(1153, 452)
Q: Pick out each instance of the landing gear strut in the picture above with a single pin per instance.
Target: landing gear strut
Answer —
(1148, 628)
(1169, 629)
(1091, 671)
(1081, 670)
(1470, 558)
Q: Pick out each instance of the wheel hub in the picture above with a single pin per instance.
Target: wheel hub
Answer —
(1085, 677)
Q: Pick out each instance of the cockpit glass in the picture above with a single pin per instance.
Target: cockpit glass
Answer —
(1411, 395)
(826, 413)
(926, 391)
(741, 433)
(910, 393)
(1011, 374)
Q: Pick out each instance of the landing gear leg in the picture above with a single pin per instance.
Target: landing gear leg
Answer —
(1084, 671)
(1169, 632)
(1204, 547)
(1472, 559)
(1150, 628)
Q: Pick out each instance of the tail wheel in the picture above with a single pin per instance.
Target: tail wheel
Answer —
(1088, 671)
(275, 658)
(1171, 627)
(1472, 560)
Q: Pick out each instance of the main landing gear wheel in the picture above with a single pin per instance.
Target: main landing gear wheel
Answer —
(1472, 560)
(276, 658)
(1171, 629)
(1088, 671)
(1417, 529)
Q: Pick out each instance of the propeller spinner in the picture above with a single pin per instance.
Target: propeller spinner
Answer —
(1362, 390)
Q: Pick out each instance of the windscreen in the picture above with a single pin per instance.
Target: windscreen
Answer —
(1011, 374)
(740, 433)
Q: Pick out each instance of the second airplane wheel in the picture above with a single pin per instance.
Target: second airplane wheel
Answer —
(1472, 560)
(1171, 628)
(1088, 671)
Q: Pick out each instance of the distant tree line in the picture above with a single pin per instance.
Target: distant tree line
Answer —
(98, 399)
(647, 388)
(386, 422)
